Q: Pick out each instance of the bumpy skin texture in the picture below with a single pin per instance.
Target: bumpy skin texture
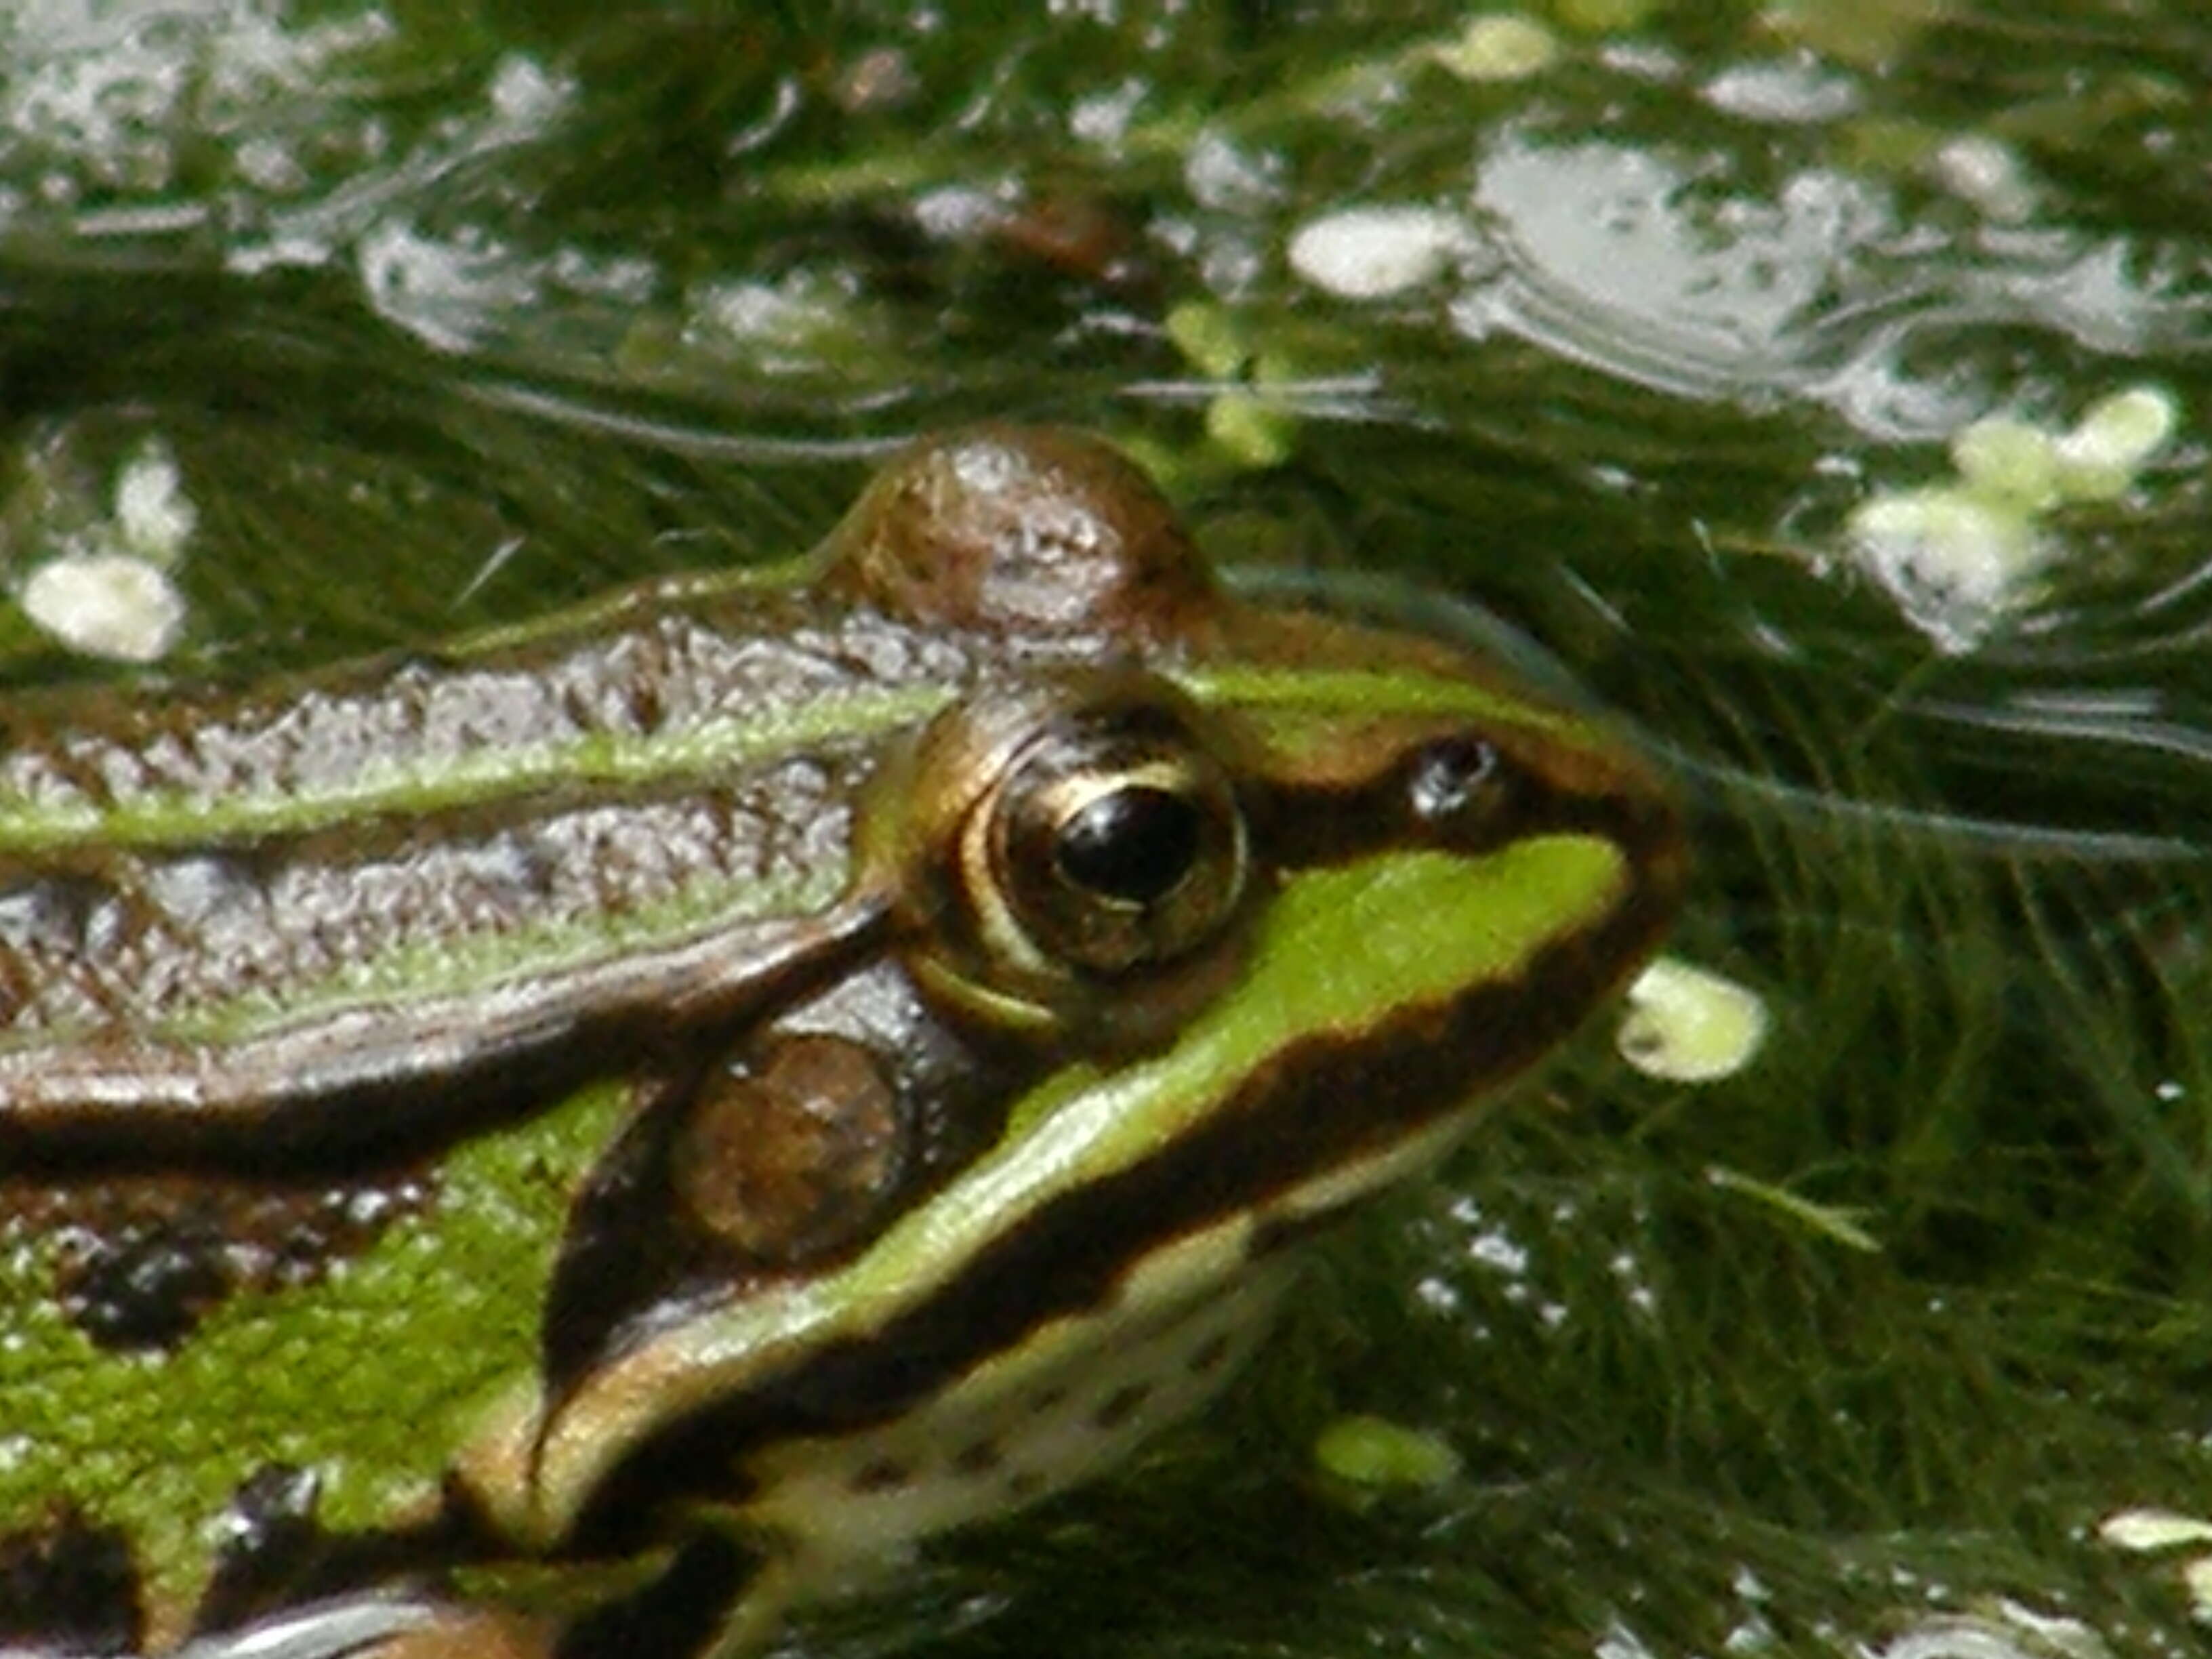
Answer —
(453, 1107)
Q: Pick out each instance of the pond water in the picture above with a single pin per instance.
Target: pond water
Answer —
(1823, 385)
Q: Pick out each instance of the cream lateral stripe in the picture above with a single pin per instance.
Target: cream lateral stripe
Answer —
(1074, 1129)
(163, 819)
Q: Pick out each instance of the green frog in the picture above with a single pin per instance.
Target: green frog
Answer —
(573, 1141)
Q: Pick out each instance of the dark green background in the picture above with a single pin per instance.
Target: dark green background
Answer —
(423, 298)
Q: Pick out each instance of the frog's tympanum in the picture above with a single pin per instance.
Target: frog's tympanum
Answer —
(567, 1143)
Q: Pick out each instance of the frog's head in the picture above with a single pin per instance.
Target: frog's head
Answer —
(1087, 846)
(1189, 921)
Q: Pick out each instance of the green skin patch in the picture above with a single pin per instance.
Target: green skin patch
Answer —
(366, 1377)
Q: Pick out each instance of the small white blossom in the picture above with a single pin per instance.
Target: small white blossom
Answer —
(1373, 253)
(1953, 561)
(1689, 1024)
(2147, 1531)
(1502, 47)
(2098, 460)
(115, 605)
(2008, 461)
(154, 516)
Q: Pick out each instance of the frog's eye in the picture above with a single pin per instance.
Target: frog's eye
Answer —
(1071, 850)
(1113, 840)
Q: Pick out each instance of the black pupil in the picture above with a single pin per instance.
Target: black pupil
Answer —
(1135, 844)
